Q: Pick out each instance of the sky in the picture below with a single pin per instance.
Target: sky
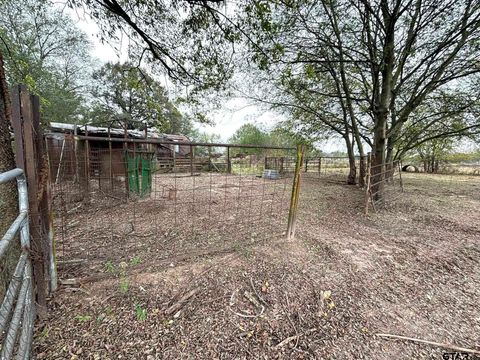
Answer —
(231, 116)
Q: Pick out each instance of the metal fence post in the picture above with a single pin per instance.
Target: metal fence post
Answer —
(292, 214)
(400, 174)
(367, 187)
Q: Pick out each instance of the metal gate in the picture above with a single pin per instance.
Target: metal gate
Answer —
(17, 311)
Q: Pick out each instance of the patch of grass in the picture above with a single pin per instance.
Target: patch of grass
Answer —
(109, 267)
(83, 318)
(44, 333)
(140, 312)
(108, 310)
(124, 285)
(135, 260)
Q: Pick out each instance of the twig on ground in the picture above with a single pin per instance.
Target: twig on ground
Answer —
(256, 293)
(442, 345)
(74, 209)
(180, 303)
(294, 337)
(291, 322)
(252, 299)
(241, 314)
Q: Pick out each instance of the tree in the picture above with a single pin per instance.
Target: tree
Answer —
(191, 41)
(203, 137)
(250, 134)
(374, 63)
(128, 94)
(434, 151)
(45, 50)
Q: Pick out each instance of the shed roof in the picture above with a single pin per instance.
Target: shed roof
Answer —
(56, 127)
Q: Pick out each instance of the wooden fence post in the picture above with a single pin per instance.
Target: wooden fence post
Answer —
(32, 158)
(292, 213)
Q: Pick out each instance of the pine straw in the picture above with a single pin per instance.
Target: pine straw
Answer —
(412, 269)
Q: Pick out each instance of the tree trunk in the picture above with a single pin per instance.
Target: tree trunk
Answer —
(378, 160)
(352, 175)
(363, 171)
(381, 110)
(8, 192)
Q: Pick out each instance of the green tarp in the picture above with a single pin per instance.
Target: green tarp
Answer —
(139, 168)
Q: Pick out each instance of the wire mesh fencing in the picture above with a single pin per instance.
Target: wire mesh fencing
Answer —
(384, 184)
(330, 168)
(120, 200)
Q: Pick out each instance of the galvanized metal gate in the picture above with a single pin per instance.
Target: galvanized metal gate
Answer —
(17, 311)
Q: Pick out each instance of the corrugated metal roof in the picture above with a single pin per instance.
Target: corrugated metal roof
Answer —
(98, 130)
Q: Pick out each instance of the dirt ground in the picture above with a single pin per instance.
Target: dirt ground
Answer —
(412, 269)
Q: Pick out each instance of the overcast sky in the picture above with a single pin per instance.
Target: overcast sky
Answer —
(227, 120)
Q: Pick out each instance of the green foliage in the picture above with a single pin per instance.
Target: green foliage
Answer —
(45, 50)
(127, 94)
(108, 310)
(124, 284)
(135, 260)
(83, 318)
(109, 267)
(140, 312)
(458, 157)
(191, 42)
(203, 137)
(321, 64)
(249, 134)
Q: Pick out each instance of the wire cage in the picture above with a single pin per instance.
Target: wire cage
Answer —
(384, 184)
(119, 198)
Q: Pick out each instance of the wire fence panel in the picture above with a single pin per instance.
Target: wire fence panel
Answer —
(157, 202)
(17, 310)
(384, 184)
(330, 168)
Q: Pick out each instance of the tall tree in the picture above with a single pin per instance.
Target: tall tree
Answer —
(44, 49)
(128, 94)
(250, 134)
(379, 61)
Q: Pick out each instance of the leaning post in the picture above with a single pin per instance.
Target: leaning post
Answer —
(292, 213)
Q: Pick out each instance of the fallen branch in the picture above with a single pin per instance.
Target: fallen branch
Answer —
(231, 303)
(442, 345)
(256, 293)
(180, 303)
(294, 337)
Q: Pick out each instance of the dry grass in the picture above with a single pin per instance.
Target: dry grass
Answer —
(412, 269)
